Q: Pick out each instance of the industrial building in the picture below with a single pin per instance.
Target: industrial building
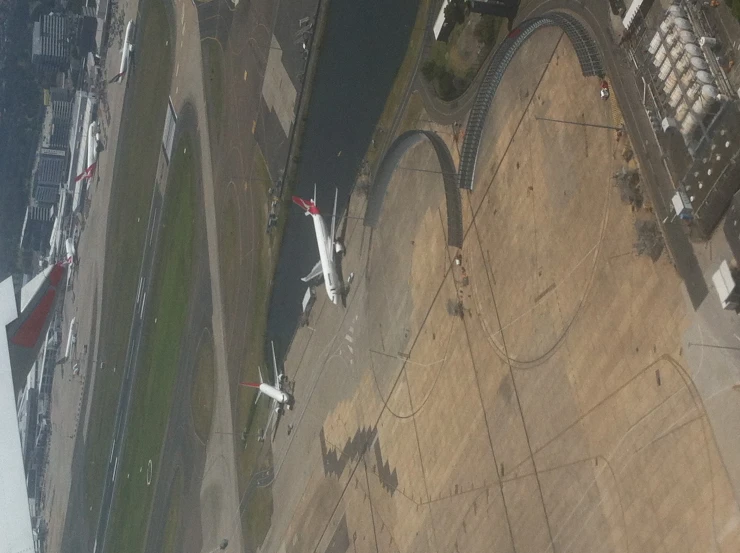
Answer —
(692, 104)
(51, 45)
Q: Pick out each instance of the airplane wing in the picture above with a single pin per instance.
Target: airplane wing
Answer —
(278, 384)
(333, 235)
(315, 272)
(272, 420)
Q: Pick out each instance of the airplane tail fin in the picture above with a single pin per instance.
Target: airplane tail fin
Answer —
(255, 385)
(309, 206)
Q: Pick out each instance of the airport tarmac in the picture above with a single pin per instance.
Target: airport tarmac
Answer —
(534, 396)
(70, 401)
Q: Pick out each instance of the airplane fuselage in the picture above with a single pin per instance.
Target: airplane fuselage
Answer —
(283, 398)
(326, 254)
(127, 47)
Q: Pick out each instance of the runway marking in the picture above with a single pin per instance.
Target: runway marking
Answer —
(183, 30)
(245, 74)
(254, 126)
(143, 303)
(349, 338)
(177, 69)
(352, 351)
(115, 470)
(177, 90)
(182, 18)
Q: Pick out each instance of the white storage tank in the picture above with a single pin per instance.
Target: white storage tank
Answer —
(708, 41)
(698, 64)
(705, 101)
(686, 37)
(704, 77)
(693, 50)
(681, 24)
(709, 93)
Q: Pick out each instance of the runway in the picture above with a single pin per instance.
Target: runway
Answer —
(132, 354)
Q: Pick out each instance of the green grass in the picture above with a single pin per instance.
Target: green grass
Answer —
(257, 514)
(160, 357)
(133, 182)
(202, 392)
(213, 63)
(257, 517)
(172, 526)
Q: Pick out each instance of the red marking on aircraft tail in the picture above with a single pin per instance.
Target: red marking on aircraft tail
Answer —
(306, 205)
(250, 384)
(87, 173)
(28, 333)
(56, 274)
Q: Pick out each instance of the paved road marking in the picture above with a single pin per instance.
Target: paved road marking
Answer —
(245, 74)
(254, 126)
(177, 69)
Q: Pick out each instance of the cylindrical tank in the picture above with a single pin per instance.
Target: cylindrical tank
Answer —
(681, 111)
(698, 64)
(709, 93)
(693, 50)
(704, 77)
(659, 56)
(689, 124)
(706, 99)
(681, 24)
(708, 41)
(654, 44)
(686, 37)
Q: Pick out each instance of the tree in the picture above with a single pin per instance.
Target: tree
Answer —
(431, 70)
(486, 29)
(455, 11)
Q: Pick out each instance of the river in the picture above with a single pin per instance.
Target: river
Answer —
(361, 51)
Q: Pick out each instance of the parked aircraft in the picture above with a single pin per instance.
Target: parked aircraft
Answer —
(281, 399)
(328, 247)
(126, 51)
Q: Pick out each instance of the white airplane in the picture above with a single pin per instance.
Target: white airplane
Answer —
(93, 136)
(70, 260)
(328, 247)
(281, 399)
(128, 48)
